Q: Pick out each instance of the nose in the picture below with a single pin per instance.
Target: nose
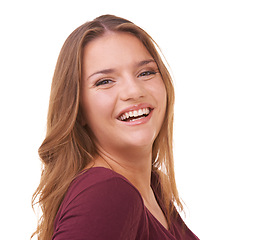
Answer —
(132, 89)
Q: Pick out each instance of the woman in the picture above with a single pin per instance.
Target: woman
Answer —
(107, 156)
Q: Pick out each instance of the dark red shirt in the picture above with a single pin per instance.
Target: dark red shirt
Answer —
(101, 204)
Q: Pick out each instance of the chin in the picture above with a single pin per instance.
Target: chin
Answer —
(140, 140)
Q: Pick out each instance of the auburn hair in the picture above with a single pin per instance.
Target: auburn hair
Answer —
(68, 147)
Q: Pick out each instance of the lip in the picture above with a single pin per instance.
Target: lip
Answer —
(138, 121)
(135, 107)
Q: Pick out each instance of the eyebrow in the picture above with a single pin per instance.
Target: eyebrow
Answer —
(111, 70)
(145, 62)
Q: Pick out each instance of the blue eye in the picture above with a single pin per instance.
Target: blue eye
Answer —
(103, 82)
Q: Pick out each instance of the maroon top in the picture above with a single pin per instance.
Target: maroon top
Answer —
(101, 204)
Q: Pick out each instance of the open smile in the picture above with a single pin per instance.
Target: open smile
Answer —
(134, 115)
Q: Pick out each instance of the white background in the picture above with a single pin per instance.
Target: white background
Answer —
(220, 54)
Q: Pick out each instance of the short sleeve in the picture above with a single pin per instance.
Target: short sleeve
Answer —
(107, 210)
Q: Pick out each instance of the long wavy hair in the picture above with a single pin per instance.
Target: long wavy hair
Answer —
(68, 147)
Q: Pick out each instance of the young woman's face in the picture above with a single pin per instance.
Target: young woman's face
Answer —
(123, 96)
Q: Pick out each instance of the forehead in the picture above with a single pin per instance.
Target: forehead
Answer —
(114, 50)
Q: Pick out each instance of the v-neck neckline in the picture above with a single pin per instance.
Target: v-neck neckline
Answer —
(167, 231)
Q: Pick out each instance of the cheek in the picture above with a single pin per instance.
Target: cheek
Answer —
(160, 94)
(96, 107)
(163, 101)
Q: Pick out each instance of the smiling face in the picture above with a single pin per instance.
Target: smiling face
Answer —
(123, 97)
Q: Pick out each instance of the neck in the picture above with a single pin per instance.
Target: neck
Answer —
(133, 164)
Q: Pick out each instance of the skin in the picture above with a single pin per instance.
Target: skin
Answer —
(120, 74)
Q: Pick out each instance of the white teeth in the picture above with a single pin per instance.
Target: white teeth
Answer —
(135, 113)
(146, 111)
